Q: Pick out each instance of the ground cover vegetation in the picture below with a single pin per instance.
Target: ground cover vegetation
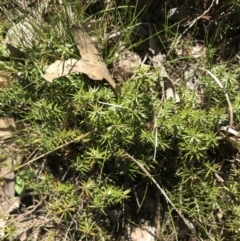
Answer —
(97, 164)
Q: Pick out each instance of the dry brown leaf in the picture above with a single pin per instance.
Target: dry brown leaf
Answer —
(90, 64)
(91, 57)
(85, 46)
(61, 68)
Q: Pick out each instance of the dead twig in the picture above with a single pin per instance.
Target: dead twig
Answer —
(185, 220)
(21, 216)
(199, 17)
(49, 152)
(172, 47)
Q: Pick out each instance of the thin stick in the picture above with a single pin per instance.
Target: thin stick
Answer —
(186, 221)
(226, 95)
(155, 131)
(196, 19)
(49, 152)
(190, 25)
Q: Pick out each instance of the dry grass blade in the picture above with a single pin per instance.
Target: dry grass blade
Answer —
(49, 152)
(185, 220)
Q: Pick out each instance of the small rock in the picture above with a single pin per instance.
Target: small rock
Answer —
(124, 66)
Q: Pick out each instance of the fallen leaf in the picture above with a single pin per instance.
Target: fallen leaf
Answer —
(91, 57)
(90, 63)
(61, 68)
(85, 46)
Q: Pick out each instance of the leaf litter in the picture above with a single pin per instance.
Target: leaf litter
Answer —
(91, 62)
